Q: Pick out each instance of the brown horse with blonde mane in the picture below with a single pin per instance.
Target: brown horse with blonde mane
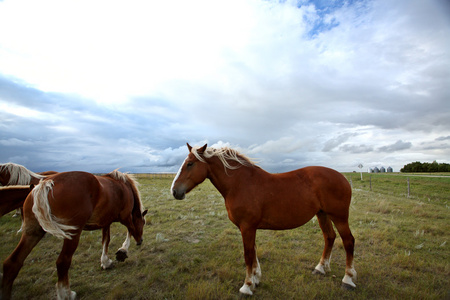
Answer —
(12, 197)
(14, 174)
(256, 199)
(66, 203)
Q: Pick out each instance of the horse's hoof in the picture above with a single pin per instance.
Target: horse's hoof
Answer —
(73, 295)
(317, 272)
(348, 287)
(245, 296)
(246, 290)
(121, 255)
(107, 265)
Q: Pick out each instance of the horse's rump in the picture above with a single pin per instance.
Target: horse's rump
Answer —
(43, 213)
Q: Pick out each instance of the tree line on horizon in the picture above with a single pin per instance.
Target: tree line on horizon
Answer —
(425, 167)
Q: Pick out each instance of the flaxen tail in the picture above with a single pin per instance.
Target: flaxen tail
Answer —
(43, 213)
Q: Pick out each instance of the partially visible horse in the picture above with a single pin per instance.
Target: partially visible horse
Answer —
(12, 197)
(15, 174)
(256, 199)
(66, 203)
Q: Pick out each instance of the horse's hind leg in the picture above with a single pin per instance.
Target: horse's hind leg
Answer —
(329, 236)
(349, 245)
(62, 265)
(13, 264)
(256, 269)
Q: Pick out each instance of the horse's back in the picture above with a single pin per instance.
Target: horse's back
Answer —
(289, 200)
(74, 193)
(116, 194)
(330, 188)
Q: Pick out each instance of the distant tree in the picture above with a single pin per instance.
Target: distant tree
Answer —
(425, 167)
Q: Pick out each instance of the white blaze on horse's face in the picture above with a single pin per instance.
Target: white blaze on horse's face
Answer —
(172, 191)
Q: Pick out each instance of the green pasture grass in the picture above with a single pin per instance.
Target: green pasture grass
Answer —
(425, 187)
(192, 251)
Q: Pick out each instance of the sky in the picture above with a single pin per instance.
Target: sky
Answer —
(99, 85)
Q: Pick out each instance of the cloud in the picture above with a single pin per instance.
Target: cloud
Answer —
(397, 146)
(356, 148)
(335, 142)
(443, 138)
(289, 83)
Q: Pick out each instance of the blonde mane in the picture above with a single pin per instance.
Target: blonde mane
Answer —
(225, 155)
(19, 175)
(128, 178)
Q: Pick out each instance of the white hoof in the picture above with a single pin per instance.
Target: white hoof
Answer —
(319, 269)
(246, 290)
(64, 293)
(73, 295)
(348, 282)
(107, 264)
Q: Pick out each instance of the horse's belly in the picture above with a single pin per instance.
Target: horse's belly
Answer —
(92, 227)
(284, 222)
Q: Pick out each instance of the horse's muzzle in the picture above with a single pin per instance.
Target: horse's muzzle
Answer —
(178, 194)
(140, 242)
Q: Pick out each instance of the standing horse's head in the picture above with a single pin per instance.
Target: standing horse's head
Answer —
(191, 173)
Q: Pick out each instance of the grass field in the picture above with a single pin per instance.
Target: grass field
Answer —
(192, 251)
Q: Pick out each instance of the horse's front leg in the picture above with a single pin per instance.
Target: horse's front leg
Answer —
(106, 263)
(253, 271)
(122, 253)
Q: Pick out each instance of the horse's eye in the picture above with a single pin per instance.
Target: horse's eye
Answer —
(190, 164)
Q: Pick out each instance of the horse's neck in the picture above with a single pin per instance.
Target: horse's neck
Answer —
(21, 176)
(225, 179)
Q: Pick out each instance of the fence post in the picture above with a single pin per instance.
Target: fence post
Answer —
(409, 188)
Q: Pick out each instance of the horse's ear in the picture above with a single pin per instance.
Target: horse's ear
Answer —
(145, 212)
(202, 149)
(189, 147)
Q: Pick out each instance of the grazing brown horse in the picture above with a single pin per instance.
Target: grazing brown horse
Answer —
(12, 197)
(66, 203)
(256, 199)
